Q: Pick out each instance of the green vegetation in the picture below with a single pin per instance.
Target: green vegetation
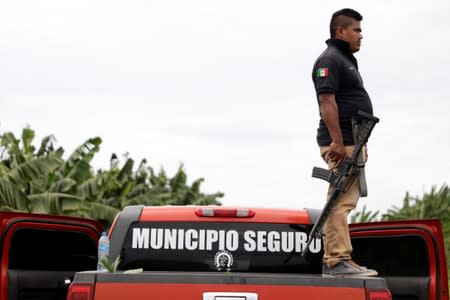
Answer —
(39, 179)
(111, 267)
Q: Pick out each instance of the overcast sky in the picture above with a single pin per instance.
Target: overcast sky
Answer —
(225, 88)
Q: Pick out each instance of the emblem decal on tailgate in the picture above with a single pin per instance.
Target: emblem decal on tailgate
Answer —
(223, 260)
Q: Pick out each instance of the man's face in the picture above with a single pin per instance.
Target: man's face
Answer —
(352, 35)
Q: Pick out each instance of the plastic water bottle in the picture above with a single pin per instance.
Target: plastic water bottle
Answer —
(103, 251)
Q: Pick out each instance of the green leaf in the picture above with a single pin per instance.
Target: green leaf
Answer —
(100, 211)
(85, 153)
(179, 180)
(3, 169)
(127, 171)
(195, 188)
(137, 190)
(90, 189)
(27, 140)
(34, 169)
(110, 266)
(80, 171)
(11, 144)
(46, 145)
(145, 199)
(364, 216)
(12, 197)
(54, 203)
(63, 185)
(113, 266)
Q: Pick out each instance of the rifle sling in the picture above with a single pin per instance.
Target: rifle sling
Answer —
(360, 160)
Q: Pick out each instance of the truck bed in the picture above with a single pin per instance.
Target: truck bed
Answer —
(237, 286)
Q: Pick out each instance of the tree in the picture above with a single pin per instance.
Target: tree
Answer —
(41, 180)
(27, 180)
(431, 205)
(364, 216)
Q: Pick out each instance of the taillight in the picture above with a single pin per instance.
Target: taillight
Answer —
(379, 295)
(80, 292)
(225, 213)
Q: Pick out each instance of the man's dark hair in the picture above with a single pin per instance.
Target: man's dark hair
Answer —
(343, 18)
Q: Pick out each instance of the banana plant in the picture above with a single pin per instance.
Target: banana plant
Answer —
(39, 179)
(112, 266)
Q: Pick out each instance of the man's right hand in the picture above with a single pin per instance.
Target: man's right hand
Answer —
(337, 153)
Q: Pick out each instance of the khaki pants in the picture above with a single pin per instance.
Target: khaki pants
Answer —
(337, 244)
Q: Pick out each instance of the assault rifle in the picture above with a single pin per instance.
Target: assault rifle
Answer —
(348, 171)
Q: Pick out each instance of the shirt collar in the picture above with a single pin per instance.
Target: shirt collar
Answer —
(340, 44)
(344, 47)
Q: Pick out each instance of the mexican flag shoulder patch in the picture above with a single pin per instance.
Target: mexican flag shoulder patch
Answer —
(322, 72)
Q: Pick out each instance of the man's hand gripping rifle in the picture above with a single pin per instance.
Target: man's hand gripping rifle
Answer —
(348, 171)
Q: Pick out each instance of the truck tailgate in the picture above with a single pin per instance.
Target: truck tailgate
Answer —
(226, 286)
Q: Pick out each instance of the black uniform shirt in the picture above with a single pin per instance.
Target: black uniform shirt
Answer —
(336, 72)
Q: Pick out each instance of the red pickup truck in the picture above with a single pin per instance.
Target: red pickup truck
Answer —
(214, 253)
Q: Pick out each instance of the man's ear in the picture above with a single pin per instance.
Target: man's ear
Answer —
(339, 31)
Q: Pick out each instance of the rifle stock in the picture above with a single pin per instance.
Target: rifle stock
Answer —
(346, 174)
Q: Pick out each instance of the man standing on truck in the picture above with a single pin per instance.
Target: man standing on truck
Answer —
(340, 94)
